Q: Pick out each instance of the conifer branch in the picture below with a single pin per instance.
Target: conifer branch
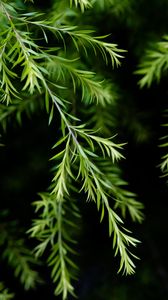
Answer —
(80, 153)
(50, 230)
(85, 39)
(99, 191)
(92, 89)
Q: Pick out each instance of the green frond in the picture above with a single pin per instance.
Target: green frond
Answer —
(20, 258)
(103, 116)
(91, 88)
(98, 190)
(125, 200)
(15, 251)
(63, 170)
(7, 89)
(154, 63)
(94, 187)
(52, 229)
(27, 57)
(83, 160)
(107, 146)
(164, 164)
(4, 293)
(84, 39)
(101, 119)
(59, 259)
(27, 54)
(122, 239)
(164, 145)
(82, 3)
(17, 108)
(18, 49)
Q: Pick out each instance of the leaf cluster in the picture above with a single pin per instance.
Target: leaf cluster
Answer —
(18, 256)
(35, 73)
(4, 293)
(154, 63)
(53, 231)
(153, 67)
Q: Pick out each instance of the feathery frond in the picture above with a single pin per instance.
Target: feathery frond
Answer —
(153, 67)
(44, 71)
(96, 188)
(50, 230)
(84, 38)
(91, 88)
(20, 258)
(154, 63)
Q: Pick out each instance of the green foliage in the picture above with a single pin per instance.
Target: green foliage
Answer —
(20, 259)
(125, 199)
(17, 255)
(33, 67)
(164, 145)
(117, 7)
(153, 67)
(52, 229)
(4, 293)
(154, 63)
(82, 3)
